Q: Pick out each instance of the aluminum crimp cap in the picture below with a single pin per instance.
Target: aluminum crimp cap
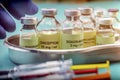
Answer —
(49, 11)
(113, 10)
(72, 12)
(29, 20)
(99, 12)
(106, 21)
(86, 10)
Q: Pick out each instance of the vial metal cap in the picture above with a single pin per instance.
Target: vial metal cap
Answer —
(99, 12)
(72, 12)
(49, 11)
(86, 10)
(106, 21)
(113, 10)
(28, 20)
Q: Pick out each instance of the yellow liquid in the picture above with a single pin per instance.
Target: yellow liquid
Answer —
(49, 40)
(89, 38)
(105, 38)
(72, 41)
(29, 41)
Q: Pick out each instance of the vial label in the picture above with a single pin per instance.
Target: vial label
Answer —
(72, 41)
(103, 38)
(29, 40)
(49, 40)
(89, 38)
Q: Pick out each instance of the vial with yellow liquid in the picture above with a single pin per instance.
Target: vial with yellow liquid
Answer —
(28, 35)
(105, 32)
(48, 30)
(89, 27)
(72, 30)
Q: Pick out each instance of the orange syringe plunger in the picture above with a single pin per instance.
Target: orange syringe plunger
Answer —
(103, 76)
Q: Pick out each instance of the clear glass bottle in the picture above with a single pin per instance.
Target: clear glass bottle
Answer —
(48, 30)
(89, 27)
(105, 32)
(28, 35)
(97, 15)
(72, 30)
(113, 13)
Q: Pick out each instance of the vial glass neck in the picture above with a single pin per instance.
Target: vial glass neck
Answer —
(113, 14)
(72, 18)
(49, 16)
(100, 16)
(28, 27)
(86, 15)
(102, 26)
(87, 18)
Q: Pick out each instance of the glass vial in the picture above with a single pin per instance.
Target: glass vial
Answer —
(97, 15)
(113, 13)
(28, 35)
(72, 30)
(48, 30)
(89, 27)
(105, 32)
